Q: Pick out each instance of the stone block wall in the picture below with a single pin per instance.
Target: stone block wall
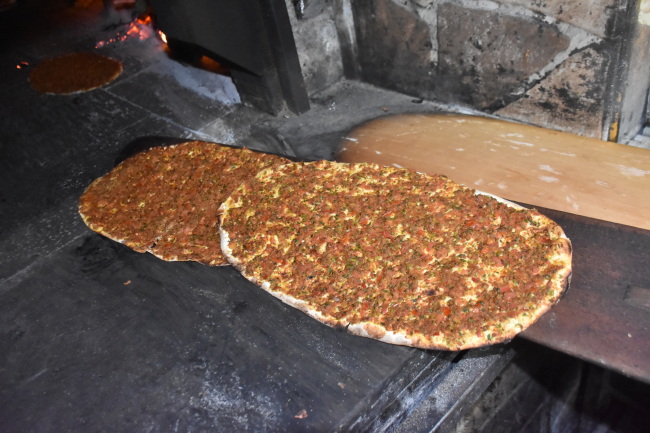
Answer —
(573, 66)
(560, 64)
(314, 29)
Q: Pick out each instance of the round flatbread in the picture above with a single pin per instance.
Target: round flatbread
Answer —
(402, 257)
(74, 72)
(165, 200)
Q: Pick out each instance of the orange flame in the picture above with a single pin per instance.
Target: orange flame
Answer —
(140, 28)
(162, 36)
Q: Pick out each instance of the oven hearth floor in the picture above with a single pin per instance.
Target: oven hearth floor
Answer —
(80, 350)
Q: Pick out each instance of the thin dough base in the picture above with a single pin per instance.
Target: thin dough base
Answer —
(508, 328)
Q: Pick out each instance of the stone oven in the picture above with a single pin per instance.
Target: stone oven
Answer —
(578, 67)
(97, 337)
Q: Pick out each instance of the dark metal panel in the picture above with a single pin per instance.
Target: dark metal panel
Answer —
(600, 319)
(253, 37)
(285, 54)
(228, 28)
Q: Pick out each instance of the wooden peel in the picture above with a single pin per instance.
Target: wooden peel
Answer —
(523, 163)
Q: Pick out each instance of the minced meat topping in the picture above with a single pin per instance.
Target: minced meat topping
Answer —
(74, 72)
(414, 253)
(165, 200)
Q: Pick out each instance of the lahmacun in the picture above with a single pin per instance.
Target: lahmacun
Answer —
(395, 255)
(74, 73)
(165, 200)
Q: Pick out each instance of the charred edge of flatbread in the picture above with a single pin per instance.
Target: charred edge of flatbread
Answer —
(177, 258)
(214, 262)
(421, 341)
(378, 332)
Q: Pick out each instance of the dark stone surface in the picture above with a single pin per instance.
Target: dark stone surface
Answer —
(637, 82)
(14, 76)
(484, 55)
(167, 97)
(39, 204)
(394, 47)
(38, 35)
(571, 98)
(101, 338)
(306, 9)
(319, 51)
(27, 125)
(594, 16)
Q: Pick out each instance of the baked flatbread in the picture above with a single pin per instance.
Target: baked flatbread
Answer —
(394, 255)
(74, 72)
(165, 200)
